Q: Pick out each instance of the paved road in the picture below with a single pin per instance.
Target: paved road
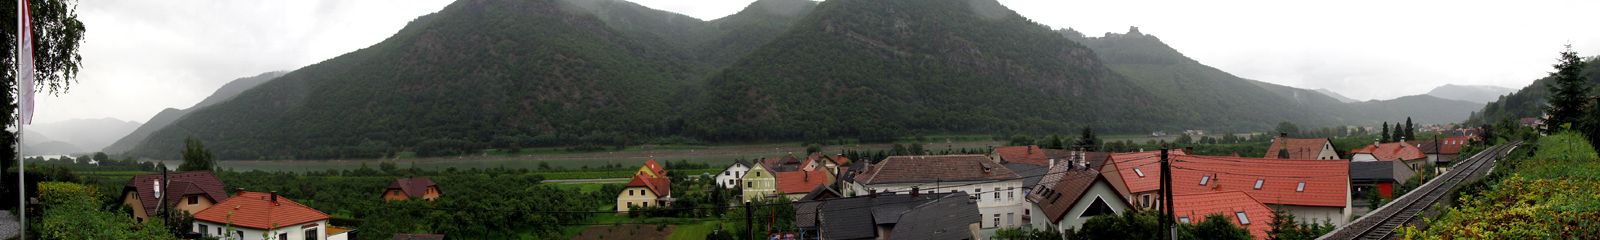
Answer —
(8, 225)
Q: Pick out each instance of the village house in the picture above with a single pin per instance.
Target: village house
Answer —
(1377, 177)
(1071, 194)
(185, 192)
(998, 190)
(1396, 151)
(649, 187)
(786, 176)
(936, 216)
(1284, 147)
(407, 188)
(729, 178)
(1443, 151)
(1238, 207)
(252, 215)
(1314, 190)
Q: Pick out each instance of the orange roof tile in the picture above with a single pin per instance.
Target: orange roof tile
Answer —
(1299, 148)
(1392, 151)
(255, 210)
(655, 167)
(1327, 183)
(1196, 206)
(793, 182)
(1141, 171)
(661, 186)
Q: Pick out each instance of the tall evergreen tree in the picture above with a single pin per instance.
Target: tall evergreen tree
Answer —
(1087, 139)
(1411, 130)
(1569, 93)
(196, 157)
(1384, 135)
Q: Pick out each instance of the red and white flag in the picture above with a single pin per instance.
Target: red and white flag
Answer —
(24, 63)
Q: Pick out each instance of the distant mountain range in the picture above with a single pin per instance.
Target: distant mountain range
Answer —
(169, 115)
(74, 136)
(1470, 93)
(1336, 95)
(484, 74)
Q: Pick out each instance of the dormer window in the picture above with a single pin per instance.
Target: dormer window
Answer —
(1205, 179)
(1259, 181)
(1301, 187)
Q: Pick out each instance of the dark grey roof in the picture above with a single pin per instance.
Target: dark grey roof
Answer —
(847, 218)
(1373, 171)
(949, 217)
(858, 217)
(821, 192)
(741, 162)
(1030, 173)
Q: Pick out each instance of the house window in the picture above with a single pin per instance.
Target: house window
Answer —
(1205, 179)
(199, 228)
(1183, 219)
(1011, 193)
(219, 230)
(749, 183)
(311, 234)
(1258, 183)
(1139, 172)
(194, 199)
(284, 236)
(997, 194)
(1243, 220)
(996, 220)
(1301, 187)
(238, 234)
(1011, 218)
(1145, 200)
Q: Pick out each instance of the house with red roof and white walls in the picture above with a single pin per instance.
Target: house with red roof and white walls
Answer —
(649, 187)
(258, 215)
(1406, 152)
(1072, 193)
(1284, 147)
(1313, 190)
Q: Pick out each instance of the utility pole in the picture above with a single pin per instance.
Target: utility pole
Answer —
(749, 225)
(1166, 196)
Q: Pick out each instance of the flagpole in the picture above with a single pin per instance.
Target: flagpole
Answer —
(24, 40)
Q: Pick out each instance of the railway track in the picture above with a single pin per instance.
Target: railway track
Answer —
(1382, 222)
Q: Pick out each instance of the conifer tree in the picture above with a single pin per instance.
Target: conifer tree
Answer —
(1569, 93)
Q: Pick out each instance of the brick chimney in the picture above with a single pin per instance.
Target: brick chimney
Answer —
(274, 198)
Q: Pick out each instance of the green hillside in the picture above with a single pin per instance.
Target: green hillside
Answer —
(873, 69)
(1207, 96)
(1529, 101)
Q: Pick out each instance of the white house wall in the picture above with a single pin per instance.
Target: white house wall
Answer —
(1009, 205)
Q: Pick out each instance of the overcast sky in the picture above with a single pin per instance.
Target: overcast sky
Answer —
(141, 56)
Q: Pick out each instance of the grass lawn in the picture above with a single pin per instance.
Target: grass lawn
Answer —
(693, 231)
(1554, 193)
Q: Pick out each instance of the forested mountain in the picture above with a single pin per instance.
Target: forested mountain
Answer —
(1209, 97)
(1530, 100)
(873, 69)
(483, 74)
(1470, 93)
(1212, 96)
(167, 116)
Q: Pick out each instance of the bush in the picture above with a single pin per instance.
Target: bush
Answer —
(72, 211)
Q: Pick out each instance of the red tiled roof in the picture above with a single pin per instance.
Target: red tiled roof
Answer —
(1327, 183)
(1129, 165)
(793, 182)
(1392, 151)
(903, 169)
(655, 167)
(414, 187)
(661, 186)
(1299, 148)
(1447, 145)
(1032, 155)
(255, 210)
(1197, 206)
(201, 183)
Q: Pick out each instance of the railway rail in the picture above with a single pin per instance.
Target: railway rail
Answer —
(1382, 223)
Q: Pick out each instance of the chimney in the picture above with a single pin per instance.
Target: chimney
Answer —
(1283, 134)
(1283, 153)
(1052, 163)
(915, 191)
(274, 198)
(238, 191)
